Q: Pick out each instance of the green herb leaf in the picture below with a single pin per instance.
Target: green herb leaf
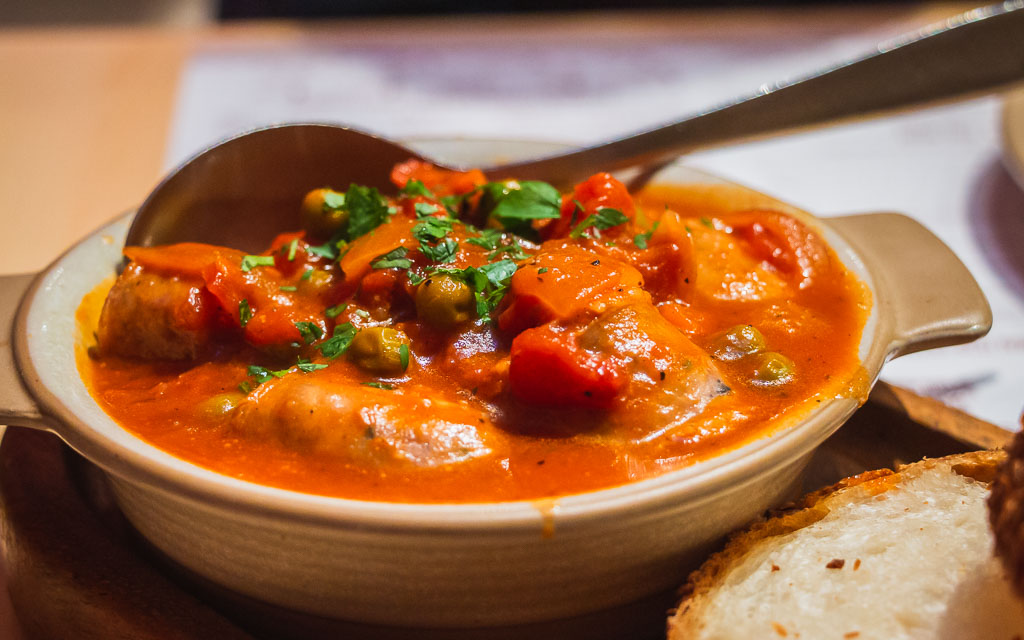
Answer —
(431, 229)
(306, 275)
(310, 332)
(403, 356)
(244, 387)
(250, 262)
(367, 210)
(416, 188)
(327, 250)
(454, 203)
(262, 374)
(335, 311)
(333, 201)
(498, 273)
(379, 385)
(425, 210)
(414, 278)
(288, 287)
(394, 259)
(542, 270)
(293, 246)
(244, 312)
(308, 367)
(641, 239)
(489, 283)
(605, 218)
(488, 239)
(514, 250)
(337, 344)
(706, 221)
(516, 204)
(443, 253)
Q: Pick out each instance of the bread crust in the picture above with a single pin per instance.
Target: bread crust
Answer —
(687, 620)
(1006, 512)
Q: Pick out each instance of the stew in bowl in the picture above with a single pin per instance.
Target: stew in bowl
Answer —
(475, 341)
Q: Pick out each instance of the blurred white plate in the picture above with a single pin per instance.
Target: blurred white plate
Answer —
(1013, 135)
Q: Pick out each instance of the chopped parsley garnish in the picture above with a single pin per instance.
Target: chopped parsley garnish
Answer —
(518, 203)
(310, 332)
(416, 188)
(333, 201)
(367, 210)
(379, 385)
(336, 310)
(453, 203)
(306, 275)
(426, 210)
(641, 239)
(542, 270)
(330, 250)
(244, 312)
(394, 259)
(262, 374)
(706, 221)
(414, 278)
(337, 344)
(403, 356)
(489, 283)
(250, 262)
(514, 250)
(488, 239)
(431, 228)
(288, 287)
(605, 218)
(444, 252)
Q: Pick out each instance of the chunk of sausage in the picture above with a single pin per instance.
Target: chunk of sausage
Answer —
(151, 316)
(370, 426)
(670, 378)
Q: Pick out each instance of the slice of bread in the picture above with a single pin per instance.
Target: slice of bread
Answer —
(1006, 512)
(880, 555)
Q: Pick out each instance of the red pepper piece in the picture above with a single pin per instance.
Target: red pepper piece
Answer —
(548, 368)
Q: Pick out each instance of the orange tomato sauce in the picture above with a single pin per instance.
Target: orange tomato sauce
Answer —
(551, 392)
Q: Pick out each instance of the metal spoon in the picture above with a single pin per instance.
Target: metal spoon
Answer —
(243, 191)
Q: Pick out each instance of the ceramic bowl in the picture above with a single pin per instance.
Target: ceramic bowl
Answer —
(465, 565)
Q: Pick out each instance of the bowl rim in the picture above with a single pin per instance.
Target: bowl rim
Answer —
(150, 466)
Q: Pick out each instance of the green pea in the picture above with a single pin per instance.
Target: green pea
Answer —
(219, 405)
(380, 350)
(319, 217)
(737, 342)
(444, 302)
(773, 368)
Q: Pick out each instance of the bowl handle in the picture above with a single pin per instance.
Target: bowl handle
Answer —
(929, 295)
(17, 406)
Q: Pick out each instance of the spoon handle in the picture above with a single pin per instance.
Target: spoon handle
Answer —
(961, 57)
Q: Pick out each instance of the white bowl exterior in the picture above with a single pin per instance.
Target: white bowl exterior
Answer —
(415, 565)
(448, 579)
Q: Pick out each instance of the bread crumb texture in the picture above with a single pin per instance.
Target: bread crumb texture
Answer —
(918, 564)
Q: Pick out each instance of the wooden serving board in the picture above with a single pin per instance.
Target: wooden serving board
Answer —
(76, 569)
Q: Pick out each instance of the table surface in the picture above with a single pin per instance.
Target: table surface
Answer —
(90, 118)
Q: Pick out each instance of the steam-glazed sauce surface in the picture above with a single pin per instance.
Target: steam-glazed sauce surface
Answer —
(474, 341)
